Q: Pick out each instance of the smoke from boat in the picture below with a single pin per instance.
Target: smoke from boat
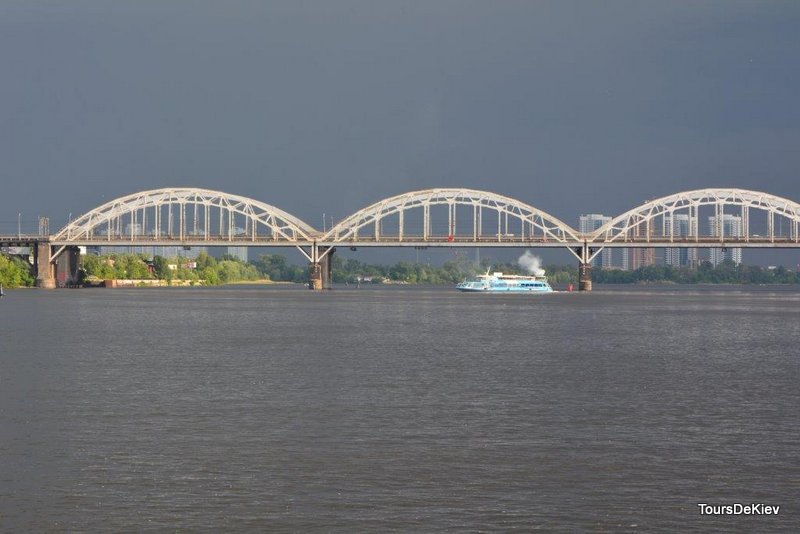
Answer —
(531, 263)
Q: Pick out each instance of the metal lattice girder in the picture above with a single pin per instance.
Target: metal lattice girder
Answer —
(549, 226)
(630, 222)
(176, 203)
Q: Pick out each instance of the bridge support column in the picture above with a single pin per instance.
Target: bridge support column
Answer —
(67, 265)
(584, 255)
(585, 277)
(327, 269)
(45, 270)
(320, 271)
(314, 276)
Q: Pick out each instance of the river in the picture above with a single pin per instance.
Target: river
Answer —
(398, 409)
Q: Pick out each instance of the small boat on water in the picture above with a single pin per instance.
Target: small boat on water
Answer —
(506, 283)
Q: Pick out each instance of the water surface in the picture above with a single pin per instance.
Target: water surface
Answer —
(405, 409)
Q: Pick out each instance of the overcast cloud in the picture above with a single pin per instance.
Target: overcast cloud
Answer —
(329, 106)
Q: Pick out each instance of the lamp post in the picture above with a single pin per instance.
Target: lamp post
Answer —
(19, 225)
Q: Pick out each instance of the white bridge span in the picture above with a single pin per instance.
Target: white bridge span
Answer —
(444, 217)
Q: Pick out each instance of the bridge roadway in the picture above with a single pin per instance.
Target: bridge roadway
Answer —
(201, 217)
(704, 241)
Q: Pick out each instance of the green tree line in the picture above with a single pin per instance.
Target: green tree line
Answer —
(208, 270)
(15, 272)
(348, 270)
(451, 272)
(726, 272)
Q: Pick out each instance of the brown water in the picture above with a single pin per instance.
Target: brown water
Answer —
(398, 409)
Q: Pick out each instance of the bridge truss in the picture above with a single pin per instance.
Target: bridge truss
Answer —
(185, 215)
(434, 217)
(753, 219)
(472, 218)
(445, 217)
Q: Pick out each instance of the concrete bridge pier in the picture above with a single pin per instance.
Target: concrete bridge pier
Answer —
(585, 277)
(45, 270)
(67, 265)
(327, 271)
(585, 256)
(320, 273)
(314, 276)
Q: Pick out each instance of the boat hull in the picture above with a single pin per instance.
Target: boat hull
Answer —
(500, 283)
(503, 290)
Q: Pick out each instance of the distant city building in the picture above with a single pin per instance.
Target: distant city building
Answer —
(149, 250)
(16, 251)
(168, 252)
(239, 253)
(590, 223)
(641, 257)
(636, 258)
(135, 229)
(730, 226)
(679, 257)
(164, 252)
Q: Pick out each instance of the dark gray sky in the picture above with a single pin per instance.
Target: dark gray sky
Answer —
(329, 106)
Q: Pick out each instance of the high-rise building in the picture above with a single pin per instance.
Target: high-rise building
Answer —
(636, 258)
(133, 229)
(590, 223)
(170, 251)
(149, 250)
(641, 257)
(679, 257)
(730, 226)
(239, 253)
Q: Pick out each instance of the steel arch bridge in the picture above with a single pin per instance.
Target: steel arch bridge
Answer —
(444, 217)
(467, 217)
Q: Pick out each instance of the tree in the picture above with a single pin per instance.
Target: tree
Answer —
(161, 267)
(272, 266)
(15, 272)
(204, 260)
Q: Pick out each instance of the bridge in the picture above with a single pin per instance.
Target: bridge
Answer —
(448, 217)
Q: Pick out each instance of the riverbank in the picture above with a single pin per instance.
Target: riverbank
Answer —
(263, 281)
(148, 283)
(145, 282)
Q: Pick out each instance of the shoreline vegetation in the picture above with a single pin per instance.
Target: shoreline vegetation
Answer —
(139, 270)
(15, 272)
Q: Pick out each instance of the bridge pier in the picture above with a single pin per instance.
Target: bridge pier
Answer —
(320, 273)
(45, 270)
(67, 265)
(584, 255)
(314, 276)
(584, 277)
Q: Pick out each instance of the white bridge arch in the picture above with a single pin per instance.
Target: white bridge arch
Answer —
(192, 216)
(185, 214)
(655, 221)
(200, 217)
(530, 224)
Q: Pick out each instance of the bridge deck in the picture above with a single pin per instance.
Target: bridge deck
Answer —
(412, 241)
